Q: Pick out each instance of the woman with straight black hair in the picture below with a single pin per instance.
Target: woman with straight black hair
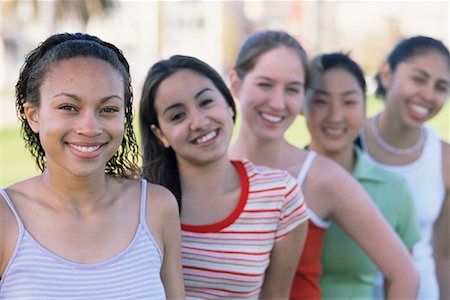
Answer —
(415, 84)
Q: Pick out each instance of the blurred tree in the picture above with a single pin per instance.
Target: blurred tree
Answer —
(63, 9)
(17, 16)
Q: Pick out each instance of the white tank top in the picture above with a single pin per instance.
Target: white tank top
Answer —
(425, 179)
(301, 178)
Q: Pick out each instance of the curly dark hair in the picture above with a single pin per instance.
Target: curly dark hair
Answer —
(64, 46)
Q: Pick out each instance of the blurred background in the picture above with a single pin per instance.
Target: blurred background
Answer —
(147, 31)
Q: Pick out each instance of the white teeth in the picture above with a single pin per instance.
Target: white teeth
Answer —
(206, 137)
(84, 149)
(334, 131)
(271, 118)
(423, 111)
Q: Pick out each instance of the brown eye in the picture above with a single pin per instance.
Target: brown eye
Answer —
(206, 102)
(264, 85)
(418, 80)
(350, 102)
(318, 101)
(177, 116)
(442, 88)
(293, 90)
(68, 107)
(110, 109)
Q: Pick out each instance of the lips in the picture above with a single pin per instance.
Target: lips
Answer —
(271, 118)
(206, 138)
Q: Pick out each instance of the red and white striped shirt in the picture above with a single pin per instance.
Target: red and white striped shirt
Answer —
(228, 259)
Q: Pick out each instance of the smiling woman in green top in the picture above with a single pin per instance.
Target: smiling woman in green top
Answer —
(335, 113)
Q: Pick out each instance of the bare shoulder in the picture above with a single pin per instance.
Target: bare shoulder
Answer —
(161, 198)
(18, 194)
(329, 188)
(9, 229)
(162, 207)
(330, 174)
(162, 214)
(6, 215)
(7, 219)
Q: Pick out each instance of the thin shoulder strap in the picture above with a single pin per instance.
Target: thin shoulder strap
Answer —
(306, 166)
(143, 201)
(13, 209)
(143, 219)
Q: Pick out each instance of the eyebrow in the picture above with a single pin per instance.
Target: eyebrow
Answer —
(78, 99)
(270, 79)
(427, 75)
(201, 92)
(176, 105)
(319, 91)
(422, 72)
(346, 93)
(349, 92)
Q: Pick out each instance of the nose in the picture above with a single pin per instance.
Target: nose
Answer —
(199, 120)
(428, 92)
(278, 100)
(89, 124)
(335, 112)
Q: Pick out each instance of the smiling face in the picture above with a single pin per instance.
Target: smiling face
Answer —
(418, 88)
(335, 111)
(194, 118)
(80, 119)
(271, 94)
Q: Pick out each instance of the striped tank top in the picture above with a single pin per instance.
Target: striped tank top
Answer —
(228, 259)
(36, 273)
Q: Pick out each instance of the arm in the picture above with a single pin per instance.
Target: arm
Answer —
(406, 226)
(348, 204)
(441, 232)
(165, 209)
(283, 263)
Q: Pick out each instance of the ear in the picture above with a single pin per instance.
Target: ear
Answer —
(158, 133)
(32, 116)
(235, 83)
(385, 75)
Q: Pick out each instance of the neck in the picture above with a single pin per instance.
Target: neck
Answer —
(74, 192)
(394, 132)
(205, 180)
(271, 153)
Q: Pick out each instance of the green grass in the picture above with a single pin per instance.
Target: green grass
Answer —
(17, 164)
